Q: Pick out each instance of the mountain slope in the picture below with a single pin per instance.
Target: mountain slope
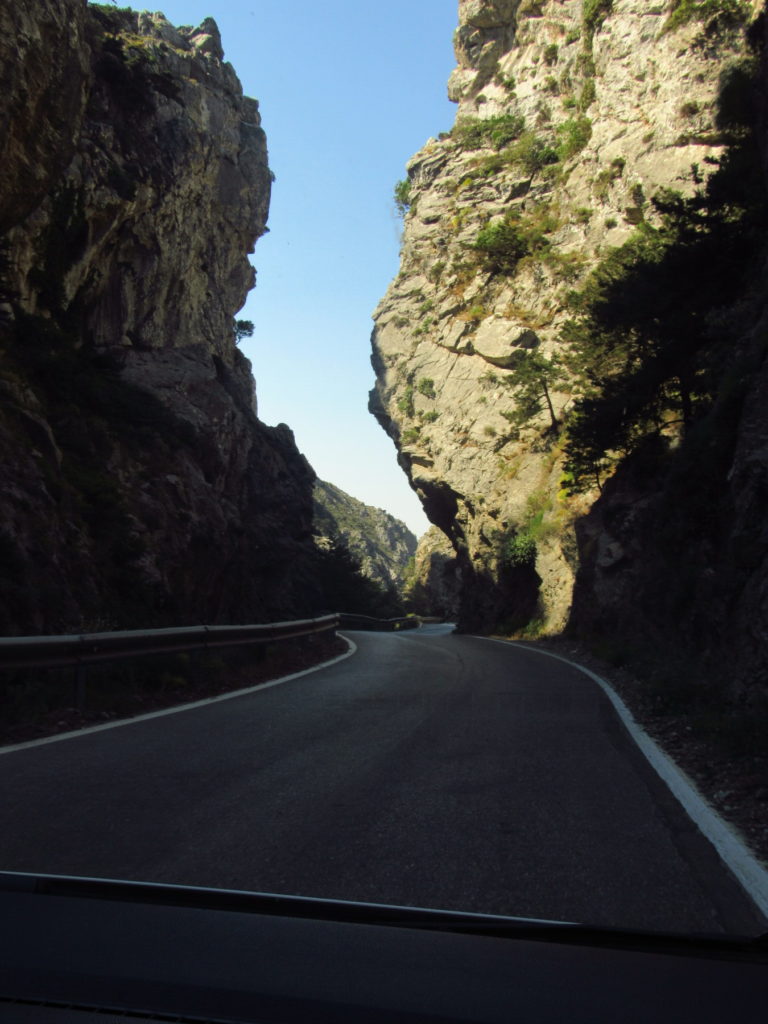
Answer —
(382, 544)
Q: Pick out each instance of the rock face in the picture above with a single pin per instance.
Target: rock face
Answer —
(139, 487)
(43, 85)
(571, 117)
(382, 544)
(673, 574)
(433, 585)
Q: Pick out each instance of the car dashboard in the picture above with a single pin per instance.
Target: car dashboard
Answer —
(88, 951)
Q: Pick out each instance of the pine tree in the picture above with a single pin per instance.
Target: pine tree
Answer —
(533, 380)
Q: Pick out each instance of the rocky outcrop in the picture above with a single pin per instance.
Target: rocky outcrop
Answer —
(571, 116)
(382, 544)
(170, 151)
(139, 486)
(433, 585)
(43, 77)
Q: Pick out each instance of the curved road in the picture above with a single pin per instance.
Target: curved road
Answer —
(427, 769)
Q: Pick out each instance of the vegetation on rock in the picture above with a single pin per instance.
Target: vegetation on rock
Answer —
(649, 346)
(712, 13)
(595, 12)
(612, 311)
(533, 379)
(491, 132)
(402, 195)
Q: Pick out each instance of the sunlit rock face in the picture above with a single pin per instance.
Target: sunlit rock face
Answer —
(434, 584)
(139, 485)
(571, 117)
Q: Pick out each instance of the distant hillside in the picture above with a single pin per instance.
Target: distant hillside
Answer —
(382, 544)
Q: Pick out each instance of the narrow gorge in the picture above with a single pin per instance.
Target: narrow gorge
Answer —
(571, 360)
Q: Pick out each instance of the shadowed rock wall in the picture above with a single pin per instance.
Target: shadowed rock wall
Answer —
(139, 487)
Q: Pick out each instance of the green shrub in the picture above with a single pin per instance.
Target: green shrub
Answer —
(606, 178)
(530, 152)
(502, 244)
(496, 132)
(476, 312)
(491, 165)
(568, 266)
(533, 153)
(588, 95)
(594, 13)
(585, 64)
(712, 13)
(550, 54)
(519, 549)
(436, 270)
(572, 136)
(426, 387)
(507, 82)
(405, 402)
(403, 196)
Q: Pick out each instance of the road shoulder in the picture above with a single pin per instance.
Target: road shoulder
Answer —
(683, 775)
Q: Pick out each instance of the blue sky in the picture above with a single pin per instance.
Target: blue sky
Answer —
(349, 90)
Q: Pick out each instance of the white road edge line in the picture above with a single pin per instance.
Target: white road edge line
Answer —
(74, 733)
(729, 845)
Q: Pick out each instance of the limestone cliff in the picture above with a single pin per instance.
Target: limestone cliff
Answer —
(576, 118)
(139, 487)
(433, 583)
(381, 543)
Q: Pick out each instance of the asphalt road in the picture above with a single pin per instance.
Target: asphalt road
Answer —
(426, 770)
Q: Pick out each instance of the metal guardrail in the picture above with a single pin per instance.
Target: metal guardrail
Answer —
(83, 649)
(349, 621)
